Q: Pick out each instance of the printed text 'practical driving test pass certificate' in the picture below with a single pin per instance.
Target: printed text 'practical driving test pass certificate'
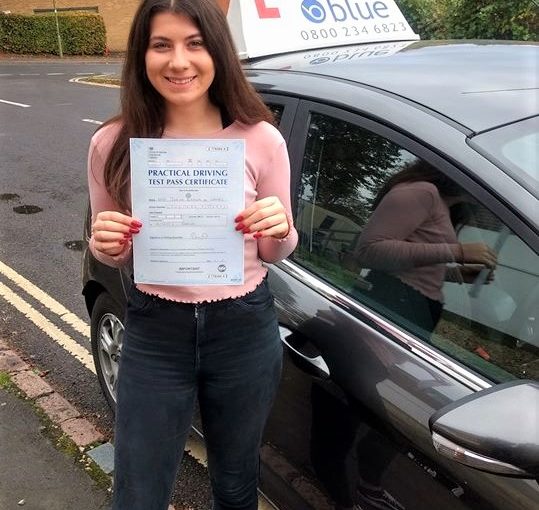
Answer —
(187, 193)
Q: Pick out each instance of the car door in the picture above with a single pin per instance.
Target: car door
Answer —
(349, 428)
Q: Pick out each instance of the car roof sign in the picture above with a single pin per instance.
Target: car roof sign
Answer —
(269, 27)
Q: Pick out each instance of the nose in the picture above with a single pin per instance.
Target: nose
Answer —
(179, 58)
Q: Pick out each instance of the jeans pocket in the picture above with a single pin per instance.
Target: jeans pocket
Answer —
(259, 299)
(139, 302)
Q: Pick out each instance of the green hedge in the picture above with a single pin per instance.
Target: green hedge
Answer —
(472, 19)
(81, 34)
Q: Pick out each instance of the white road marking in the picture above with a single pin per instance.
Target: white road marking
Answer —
(22, 105)
(55, 74)
(84, 74)
(45, 325)
(29, 74)
(6, 74)
(63, 313)
(92, 121)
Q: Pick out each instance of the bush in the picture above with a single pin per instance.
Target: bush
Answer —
(472, 19)
(428, 18)
(495, 19)
(81, 34)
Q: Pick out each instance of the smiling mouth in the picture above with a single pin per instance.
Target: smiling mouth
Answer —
(180, 81)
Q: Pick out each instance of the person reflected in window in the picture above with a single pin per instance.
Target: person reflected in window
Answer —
(409, 241)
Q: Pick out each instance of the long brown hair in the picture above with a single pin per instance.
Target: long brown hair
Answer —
(420, 170)
(142, 112)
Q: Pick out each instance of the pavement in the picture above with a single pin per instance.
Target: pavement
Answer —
(45, 445)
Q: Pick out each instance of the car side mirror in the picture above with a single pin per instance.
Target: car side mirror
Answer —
(494, 430)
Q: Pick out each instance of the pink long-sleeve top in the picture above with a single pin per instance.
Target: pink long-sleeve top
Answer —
(267, 173)
(410, 236)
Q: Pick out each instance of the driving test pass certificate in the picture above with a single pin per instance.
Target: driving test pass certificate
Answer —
(187, 193)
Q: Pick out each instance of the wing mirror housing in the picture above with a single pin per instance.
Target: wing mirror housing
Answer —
(494, 430)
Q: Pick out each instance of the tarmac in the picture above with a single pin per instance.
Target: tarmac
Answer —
(47, 449)
(45, 446)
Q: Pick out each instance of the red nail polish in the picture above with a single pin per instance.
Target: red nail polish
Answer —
(127, 236)
(258, 235)
(238, 218)
(122, 241)
(136, 224)
(246, 230)
(134, 230)
(240, 226)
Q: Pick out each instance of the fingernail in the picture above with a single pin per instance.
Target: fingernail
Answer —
(122, 241)
(246, 230)
(238, 218)
(134, 230)
(258, 235)
(127, 236)
(136, 224)
(240, 226)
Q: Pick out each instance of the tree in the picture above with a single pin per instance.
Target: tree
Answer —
(473, 19)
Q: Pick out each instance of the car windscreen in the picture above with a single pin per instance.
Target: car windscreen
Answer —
(515, 148)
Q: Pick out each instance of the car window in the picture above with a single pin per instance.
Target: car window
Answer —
(514, 148)
(392, 231)
(277, 111)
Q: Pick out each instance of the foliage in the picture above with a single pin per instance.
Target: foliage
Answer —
(495, 19)
(81, 34)
(427, 17)
(472, 19)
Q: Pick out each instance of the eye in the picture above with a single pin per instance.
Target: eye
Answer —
(159, 45)
(196, 43)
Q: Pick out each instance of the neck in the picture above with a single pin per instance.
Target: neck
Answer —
(194, 119)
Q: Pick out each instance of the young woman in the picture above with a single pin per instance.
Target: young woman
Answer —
(217, 344)
(409, 240)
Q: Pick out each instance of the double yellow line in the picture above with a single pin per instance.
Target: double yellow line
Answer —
(44, 324)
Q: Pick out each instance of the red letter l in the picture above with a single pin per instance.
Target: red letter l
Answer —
(266, 12)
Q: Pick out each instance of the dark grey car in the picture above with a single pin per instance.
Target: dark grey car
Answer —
(374, 411)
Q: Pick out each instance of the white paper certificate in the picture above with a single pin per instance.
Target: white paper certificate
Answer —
(187, 193)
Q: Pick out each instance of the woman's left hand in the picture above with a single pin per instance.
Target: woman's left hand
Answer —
(264, 218)
(470, 272)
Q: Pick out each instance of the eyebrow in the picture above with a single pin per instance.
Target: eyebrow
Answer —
(163, 38)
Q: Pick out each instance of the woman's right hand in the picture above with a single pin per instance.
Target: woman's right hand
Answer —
(479, 253)
(112, 232)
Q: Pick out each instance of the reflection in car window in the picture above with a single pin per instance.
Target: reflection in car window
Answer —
(401, 237)
(277, 110)
(514, 147)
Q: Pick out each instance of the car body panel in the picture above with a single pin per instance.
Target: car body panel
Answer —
(384, 383)
(454, 80)
(406, 394)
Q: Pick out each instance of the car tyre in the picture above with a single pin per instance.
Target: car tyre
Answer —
(107, 335)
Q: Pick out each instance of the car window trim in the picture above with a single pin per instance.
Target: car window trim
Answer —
(420, 348)
(289, 104)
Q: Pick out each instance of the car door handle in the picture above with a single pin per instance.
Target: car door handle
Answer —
(317, 366)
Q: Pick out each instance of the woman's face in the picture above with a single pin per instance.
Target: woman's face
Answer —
(178, 64)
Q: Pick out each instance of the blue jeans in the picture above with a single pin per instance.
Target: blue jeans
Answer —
(227, 354)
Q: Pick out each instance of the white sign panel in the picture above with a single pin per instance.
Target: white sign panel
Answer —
(264, 27)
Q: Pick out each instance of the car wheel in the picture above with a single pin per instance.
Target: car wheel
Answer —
(107, 332)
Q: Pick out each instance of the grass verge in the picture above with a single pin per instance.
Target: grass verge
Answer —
(102, 80)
